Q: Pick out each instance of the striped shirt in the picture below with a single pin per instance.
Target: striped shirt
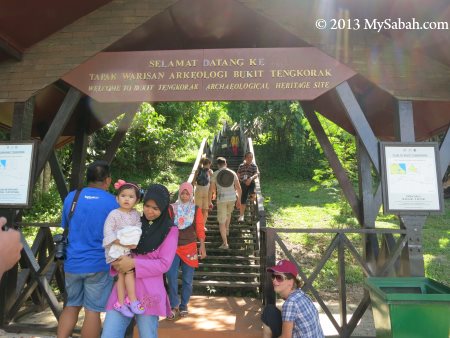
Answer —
(246, 171)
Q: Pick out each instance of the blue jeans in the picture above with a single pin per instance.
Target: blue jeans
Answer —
(187, 276)
(116, 324)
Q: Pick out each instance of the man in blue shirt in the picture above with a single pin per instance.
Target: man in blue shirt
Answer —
(87, 280)
(299, 317)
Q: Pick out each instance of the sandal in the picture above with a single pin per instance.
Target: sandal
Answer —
(123, 309)
(173, 314)
(184, 313)
(136, 307)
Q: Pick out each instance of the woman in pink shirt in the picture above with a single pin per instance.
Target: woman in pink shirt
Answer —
(150, 260)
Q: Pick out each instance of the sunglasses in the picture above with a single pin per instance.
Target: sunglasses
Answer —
(279, 278)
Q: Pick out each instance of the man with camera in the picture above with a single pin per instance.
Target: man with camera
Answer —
(87, 280)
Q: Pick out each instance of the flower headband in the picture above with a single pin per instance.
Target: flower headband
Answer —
(121, 183)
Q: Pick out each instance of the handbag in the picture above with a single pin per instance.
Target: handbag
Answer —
(61, 240)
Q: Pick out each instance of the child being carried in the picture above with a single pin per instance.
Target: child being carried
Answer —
(122, 232)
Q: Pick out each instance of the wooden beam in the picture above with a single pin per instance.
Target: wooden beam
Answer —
(56, 128)
(357, 314)
(10, 49)
(404, 119)
(120, 134)
(370, 204)
(335, 164)
(22, 120)
(412, 263)
(359, 122)
(38, 277)
(341, 282)
(444, 152)
(79, 155)
(58, 175)
(414, 253)
(269, 261)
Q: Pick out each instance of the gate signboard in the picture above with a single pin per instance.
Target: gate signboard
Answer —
(209, 75)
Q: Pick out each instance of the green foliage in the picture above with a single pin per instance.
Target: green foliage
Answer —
(47, 206)
(158, 135)
(4, 135)
(279, 132)
(345, 148)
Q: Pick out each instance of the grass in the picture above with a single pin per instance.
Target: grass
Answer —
(294, 205)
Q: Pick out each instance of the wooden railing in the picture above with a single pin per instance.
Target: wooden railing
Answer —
(339, 242)
(203, 150)
(34, 275)
(258, 214)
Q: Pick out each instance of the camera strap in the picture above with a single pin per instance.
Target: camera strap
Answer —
(72, 210)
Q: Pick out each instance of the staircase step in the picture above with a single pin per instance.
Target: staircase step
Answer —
(231, 251)
(233, 244)
(236, 258)
(201, 274)
(235, 284)
(214, 226)
(228, 266)
(233, 234)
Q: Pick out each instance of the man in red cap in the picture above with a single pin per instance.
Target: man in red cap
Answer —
(298, 317)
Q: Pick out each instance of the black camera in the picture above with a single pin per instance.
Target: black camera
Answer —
(60, 246)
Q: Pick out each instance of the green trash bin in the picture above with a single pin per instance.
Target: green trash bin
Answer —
(409, 307)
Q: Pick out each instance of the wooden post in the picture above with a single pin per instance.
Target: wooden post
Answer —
(359, 122)
(444, 152)
(79, 155)
(412, 263)
(269, 261)
(370, 205)
(56, 128)
(120, 134)
(58, 175)
(341, 283)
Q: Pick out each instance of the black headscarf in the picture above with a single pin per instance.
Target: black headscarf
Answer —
(154, 232)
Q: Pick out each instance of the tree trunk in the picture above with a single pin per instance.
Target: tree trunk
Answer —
(47, 176)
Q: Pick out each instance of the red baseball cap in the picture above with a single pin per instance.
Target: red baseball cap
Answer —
(284, 266)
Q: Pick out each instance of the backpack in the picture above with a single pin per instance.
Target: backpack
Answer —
(203, 177)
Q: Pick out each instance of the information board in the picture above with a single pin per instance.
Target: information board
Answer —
(410, 178)
(16, 168)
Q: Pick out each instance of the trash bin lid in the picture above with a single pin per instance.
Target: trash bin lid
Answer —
(416, 289)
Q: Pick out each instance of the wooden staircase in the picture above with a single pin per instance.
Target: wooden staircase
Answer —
(234, 271)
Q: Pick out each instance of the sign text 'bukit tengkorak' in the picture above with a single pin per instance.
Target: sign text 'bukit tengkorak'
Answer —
(209, 75)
